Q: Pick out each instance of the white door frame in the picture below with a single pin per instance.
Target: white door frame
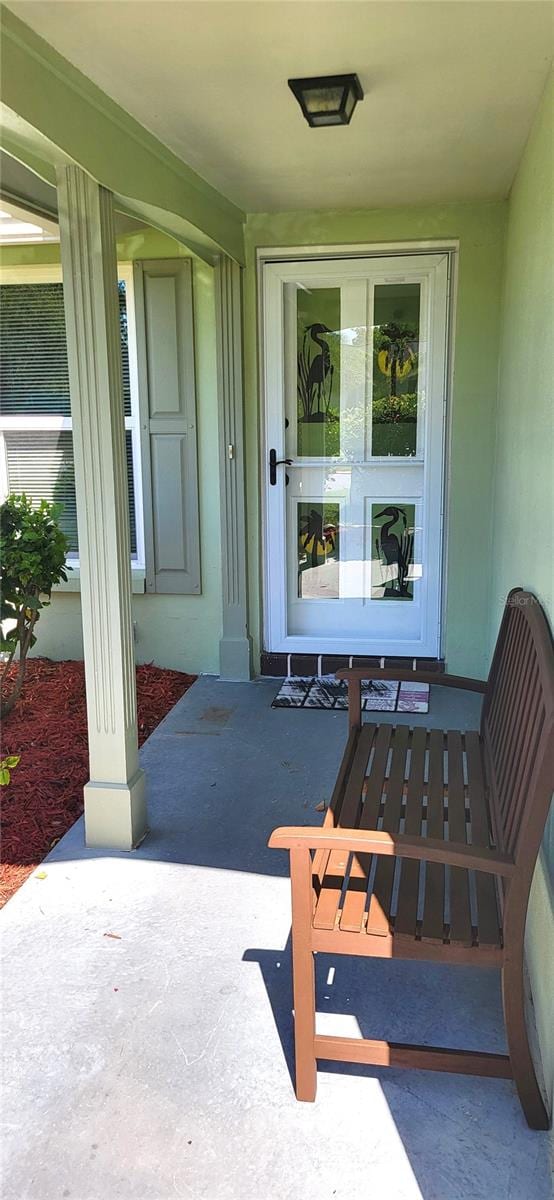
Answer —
(298, 254)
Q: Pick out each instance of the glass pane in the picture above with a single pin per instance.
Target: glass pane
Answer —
(40, 463)
(123, 331)
(34, 375)
(318, 551)
(395, 369)
(318, 372)
(131, 491)
(323, 100)
(392, 539)
(34, 356)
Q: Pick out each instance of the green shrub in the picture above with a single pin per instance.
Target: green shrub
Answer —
(32, 554)
(395, 408)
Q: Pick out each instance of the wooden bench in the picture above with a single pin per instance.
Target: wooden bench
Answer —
(358, 885)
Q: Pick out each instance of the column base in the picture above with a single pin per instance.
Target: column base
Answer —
(115, 814)
(235, 659)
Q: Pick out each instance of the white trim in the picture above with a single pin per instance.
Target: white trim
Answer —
(318, 254)
(347, 646)
(48, 423)
(355, 250)
(125, 273)
(73, 581)
(451, 316)
(52, 273)
(3, 467)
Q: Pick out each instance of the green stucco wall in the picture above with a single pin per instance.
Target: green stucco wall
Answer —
(523, 511)
(480, 230)
(182, 632)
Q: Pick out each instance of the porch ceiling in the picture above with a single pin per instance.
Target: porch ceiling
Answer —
(450, 91)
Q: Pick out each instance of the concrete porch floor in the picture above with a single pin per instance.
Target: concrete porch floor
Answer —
(155, 1063)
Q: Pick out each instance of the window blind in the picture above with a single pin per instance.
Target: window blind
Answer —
(34, 374)
(40, 463)
(34, 381)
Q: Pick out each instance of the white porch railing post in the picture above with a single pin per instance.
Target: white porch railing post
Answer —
(115, 803)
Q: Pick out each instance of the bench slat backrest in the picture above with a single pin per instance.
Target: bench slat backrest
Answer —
(517, 728)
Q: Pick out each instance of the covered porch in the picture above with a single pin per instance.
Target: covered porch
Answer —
(150, 1031)
(149, 1035)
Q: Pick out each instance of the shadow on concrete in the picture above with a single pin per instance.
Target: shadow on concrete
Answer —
(429, 1004)
(394, 1000)
(224, 769)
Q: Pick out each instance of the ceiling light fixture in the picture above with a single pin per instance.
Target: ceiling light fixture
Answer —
(327, 99)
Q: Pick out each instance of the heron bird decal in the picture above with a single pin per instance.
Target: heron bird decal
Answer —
(395, 550)
(315, 374)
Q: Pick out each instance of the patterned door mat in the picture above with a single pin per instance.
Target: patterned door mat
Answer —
(378, 695)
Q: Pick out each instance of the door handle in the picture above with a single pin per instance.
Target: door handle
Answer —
(275, 462)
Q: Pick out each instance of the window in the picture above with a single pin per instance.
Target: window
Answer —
(159, 391)
(36, 445)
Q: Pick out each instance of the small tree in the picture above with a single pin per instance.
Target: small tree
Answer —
(397, 356)
(33, 554)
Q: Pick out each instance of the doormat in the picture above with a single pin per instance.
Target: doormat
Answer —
(378, 695)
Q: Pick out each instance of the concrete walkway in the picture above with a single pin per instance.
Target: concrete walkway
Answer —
(146, 1007)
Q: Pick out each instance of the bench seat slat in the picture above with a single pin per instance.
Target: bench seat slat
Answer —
(406, 917)
(391, 790)
(460, 911)
(355, 900)
(321, 857)
(433, 906)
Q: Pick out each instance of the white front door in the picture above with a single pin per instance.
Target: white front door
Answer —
(354, 370)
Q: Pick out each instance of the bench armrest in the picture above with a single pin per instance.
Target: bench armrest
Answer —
(399, 845)
(407, 675)
(354, 676)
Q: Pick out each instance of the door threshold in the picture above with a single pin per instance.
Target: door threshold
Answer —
(279, 664)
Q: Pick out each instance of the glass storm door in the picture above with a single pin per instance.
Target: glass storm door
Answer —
(354, 366)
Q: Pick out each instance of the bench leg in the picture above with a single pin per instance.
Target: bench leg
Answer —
(523, 1069)
(303, 974)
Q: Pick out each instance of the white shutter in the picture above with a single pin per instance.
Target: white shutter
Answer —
(165, 350)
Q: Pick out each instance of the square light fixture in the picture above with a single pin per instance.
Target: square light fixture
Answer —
(327, 99)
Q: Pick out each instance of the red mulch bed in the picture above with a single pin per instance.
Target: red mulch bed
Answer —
(48, 728)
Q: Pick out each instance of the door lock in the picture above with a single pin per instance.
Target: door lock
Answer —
(275, 462)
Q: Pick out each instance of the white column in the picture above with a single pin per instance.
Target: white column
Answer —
(235, 647)
(115, 802)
